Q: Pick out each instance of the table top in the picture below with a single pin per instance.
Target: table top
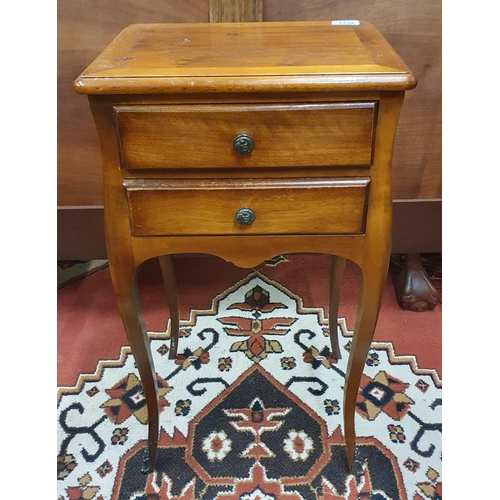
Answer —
(250, 57)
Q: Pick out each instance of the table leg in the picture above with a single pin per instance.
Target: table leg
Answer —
(414, 289)
(373, 281)
(337, 270)
(123, 275)
(168, 272)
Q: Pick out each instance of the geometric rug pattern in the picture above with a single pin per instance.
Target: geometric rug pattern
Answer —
(251, 409)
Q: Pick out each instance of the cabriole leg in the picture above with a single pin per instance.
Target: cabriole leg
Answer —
(336, 273)
(125, 287)
(373, 281)
(168, 272)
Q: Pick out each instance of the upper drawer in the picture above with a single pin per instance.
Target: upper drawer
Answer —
(202, 136)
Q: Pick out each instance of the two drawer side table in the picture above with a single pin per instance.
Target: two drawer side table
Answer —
(247, 141)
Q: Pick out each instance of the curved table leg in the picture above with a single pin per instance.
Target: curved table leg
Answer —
(123, 275)
(337, 270)
(373, 281)
(168, 272)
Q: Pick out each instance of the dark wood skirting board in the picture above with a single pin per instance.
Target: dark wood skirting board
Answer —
(417, 228)
(80, 233)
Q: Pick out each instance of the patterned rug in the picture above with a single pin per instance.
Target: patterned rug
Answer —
(252, 410)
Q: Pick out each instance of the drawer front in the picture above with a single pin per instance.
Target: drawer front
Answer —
(195, 207)
(203, 136)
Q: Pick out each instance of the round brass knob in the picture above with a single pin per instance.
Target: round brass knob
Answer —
(243, 144)
(245, 216)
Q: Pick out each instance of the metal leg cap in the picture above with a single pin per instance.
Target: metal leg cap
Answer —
(357, 468)
(146, 463)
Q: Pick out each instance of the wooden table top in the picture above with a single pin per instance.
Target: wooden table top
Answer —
(250, 57)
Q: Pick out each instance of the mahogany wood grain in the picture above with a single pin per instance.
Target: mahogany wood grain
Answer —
(128, 197)
(235, 11)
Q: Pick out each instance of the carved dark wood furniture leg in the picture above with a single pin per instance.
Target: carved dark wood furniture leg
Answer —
(123, 275)
(168, 272)
(414, 289)
(337, 270)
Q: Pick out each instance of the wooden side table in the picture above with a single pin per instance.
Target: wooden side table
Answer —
(247, 141)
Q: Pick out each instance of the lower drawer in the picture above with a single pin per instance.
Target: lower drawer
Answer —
(239, 207)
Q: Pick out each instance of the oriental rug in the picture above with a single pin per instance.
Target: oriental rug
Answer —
(251, 409)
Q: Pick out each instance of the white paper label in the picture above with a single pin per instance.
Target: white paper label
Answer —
(346, 22)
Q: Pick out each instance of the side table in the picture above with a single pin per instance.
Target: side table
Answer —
(247, 141)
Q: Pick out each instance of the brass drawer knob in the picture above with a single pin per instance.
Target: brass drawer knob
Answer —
(245, 216)
(243, 144)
